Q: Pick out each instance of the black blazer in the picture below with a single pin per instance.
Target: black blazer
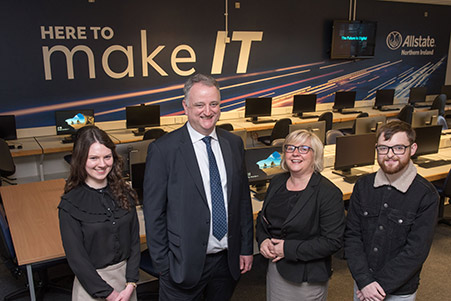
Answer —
(176, 211)
(313, 230)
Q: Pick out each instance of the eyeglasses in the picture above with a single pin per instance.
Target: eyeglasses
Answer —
(398, 149)
(303, 149)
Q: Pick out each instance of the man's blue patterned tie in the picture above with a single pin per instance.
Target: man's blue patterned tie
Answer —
(218, 211)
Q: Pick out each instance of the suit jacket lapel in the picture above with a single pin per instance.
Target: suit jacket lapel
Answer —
(305, 197)
(228, 161)
(186, 150)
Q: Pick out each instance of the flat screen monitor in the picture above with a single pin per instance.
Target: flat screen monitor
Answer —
(427, 139)
(258, 106)
(263, 163)
(8, 127)
(68, 122)
(384, 97)
(344, 100)
(424, 118)
(353, 39)
(366, 125)
(142, 116)
(446, 89)
(304, 103)
(354, 151)
(417, 94)
(318, 128)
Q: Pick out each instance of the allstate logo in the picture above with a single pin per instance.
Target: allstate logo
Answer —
(394, 40)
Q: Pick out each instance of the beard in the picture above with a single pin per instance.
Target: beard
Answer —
(393, 165)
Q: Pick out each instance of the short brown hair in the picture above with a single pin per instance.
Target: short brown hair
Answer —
(396, 126)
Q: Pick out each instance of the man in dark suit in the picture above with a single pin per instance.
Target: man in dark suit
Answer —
(197, 204)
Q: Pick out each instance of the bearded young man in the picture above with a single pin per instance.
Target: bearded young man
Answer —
(391, 220)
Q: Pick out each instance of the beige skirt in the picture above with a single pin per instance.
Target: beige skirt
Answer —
(114, 275)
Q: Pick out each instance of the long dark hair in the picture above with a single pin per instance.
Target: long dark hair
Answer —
(86, 136)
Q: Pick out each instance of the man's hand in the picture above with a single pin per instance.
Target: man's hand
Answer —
(125, 294)
(246, 263)
(278, 249)
(372, 291)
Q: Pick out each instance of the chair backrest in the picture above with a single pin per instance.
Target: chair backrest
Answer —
(442, 121)
(153, 134)
(447, 185)
(6, 242)
(328, 117)
(226, 126)
(439, 103)
(281, 129)
(331, 136)
(7, 166)
(406, 114)
(243, 135)
(278, 141)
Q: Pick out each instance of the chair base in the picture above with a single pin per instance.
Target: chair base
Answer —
(445, 221)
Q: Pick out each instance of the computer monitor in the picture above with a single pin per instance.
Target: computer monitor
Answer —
(8, 127)
(344, 100)
(385, 97)
(258, 106)
(68, 122)
(417, 94)
(427, 140)
(304, 103)
(354, 151)
(262, 164)
(424, 118)
(142, 116)
(366, 125)
(318, 128)
(446, 89)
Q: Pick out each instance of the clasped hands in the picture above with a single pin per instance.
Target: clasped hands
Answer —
(371, 292)
(272, 248)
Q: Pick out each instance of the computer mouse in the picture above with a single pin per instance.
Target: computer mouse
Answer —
(19, 146)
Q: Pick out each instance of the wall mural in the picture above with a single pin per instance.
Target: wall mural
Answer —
(110, 54)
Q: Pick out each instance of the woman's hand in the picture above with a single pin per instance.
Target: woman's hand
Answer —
(277, 249)
(267, 249)
(112, 296)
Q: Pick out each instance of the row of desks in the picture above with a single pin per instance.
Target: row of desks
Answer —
(32, 213)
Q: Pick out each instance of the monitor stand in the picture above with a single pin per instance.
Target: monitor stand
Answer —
(139, 132)
(68, 139)
(255, 120)
(350, 175)
(348, 111)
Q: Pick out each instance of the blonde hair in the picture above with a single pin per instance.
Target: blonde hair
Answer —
(299, 137)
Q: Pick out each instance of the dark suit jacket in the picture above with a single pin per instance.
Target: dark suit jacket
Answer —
(176, 210)
(313, 230)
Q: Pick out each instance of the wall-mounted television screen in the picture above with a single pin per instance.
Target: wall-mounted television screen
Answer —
(353, 39)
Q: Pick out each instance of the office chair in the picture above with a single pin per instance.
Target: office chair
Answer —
(226, 126)
(278, 141)
(351, 131)
(444, 190)
(7, 166)
(8, 255)
(406, 114)
(68, 158)
(442, 121)
(331, 136)
(154, 134)
(439, 104)
(281, 130)
(328, 117)
(146, 265)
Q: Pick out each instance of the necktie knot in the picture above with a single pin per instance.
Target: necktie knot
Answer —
(207, 140)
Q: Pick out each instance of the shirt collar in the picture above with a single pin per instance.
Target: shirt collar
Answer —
(196, 136)
(401, 180)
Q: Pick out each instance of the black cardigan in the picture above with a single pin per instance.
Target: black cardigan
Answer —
(313, 230)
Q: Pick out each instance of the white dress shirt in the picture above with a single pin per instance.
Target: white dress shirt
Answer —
(200, 149)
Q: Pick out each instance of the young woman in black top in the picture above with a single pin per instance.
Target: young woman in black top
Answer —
(98, 221)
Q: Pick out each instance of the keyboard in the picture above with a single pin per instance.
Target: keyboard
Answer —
(385, 109)
(350, 112)
(434, 163)
(422, 104)
(262, 121)
(351, 179)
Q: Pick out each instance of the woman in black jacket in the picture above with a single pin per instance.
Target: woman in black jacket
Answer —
(98, 221)
(301, 223)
